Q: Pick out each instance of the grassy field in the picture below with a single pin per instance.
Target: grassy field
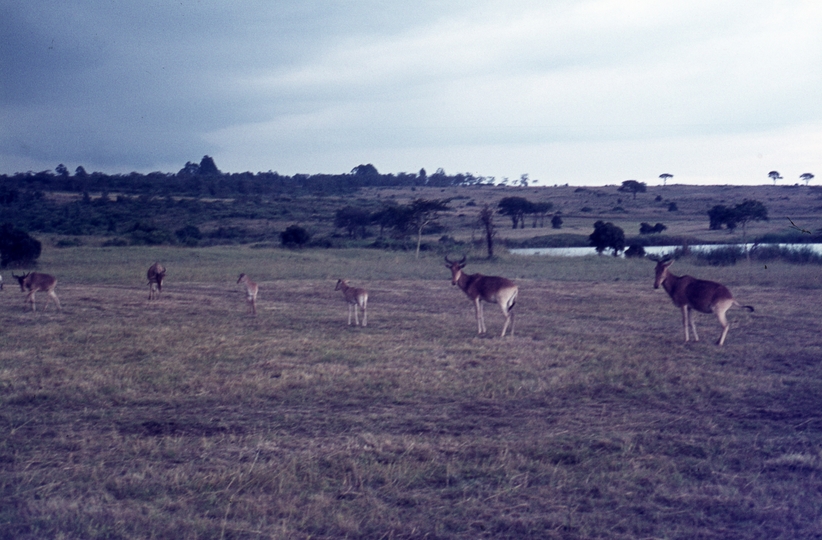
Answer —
(188, 418)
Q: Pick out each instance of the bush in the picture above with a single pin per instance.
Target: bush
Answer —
(17, 247)
(635, 251)
(294, 236)
(189, 235)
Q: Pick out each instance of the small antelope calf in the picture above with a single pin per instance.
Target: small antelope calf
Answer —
(251, 289)
(491, 289)
(34, 282)
(356, 298)
(689, 293)
(156, 274)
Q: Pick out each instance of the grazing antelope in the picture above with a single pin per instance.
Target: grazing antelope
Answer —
(690, 294)
(491, 289)
(156, 274)
(251, 289)
(35, 282)
(356, 298)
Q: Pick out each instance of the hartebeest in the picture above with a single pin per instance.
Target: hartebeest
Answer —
(356, 298)
(156, 274)
(251, 289)
(35, 282)
(491, 289)
(689, 293)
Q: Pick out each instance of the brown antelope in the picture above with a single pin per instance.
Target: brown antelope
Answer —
(356, 298)
(689, 293)
(35, 282)
(251, 289)
(156, 274)
(491, 289)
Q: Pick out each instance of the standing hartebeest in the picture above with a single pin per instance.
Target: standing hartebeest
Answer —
(689, 293)
(35, 282)
(251, 289)
(156, 274)
(355, 297)
(491, 289)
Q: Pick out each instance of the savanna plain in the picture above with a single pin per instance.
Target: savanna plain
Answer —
(186, 417)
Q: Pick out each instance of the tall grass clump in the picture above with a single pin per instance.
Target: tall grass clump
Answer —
(730, 255)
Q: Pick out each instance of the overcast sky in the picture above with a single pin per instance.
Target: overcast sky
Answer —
(566, 91)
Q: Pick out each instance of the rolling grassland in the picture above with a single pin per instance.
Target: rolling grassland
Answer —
(186, 417)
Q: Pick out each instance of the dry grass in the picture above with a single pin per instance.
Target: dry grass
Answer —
(187, 418)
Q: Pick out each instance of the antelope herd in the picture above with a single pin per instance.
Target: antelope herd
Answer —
(687, 293)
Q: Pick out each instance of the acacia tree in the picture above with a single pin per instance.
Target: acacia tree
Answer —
(515, 208)
(774, 175)
(540, 212)
(424, 212)
(665, 177)
(353, 220)
(632, 186)
(749, 210)
(806, 177)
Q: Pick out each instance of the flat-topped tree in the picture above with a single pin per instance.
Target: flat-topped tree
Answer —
(633, 186)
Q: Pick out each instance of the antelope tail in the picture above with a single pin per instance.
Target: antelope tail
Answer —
(749, 308)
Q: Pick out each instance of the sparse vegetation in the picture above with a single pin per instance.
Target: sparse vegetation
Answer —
(596, 421)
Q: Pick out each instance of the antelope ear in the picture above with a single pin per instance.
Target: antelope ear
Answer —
(462, 266)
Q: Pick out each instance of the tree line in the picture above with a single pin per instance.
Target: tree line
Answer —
(204, 179)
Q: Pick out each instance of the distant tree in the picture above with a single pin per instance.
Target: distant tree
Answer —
(62, 171)
(208, 167)
(540, 212)
(806, 177)
(665, 177)
(632, 186)
(17, 247)
(394, 217)
(646, 228)
(556, 222)
(353, 220)
(365, 170)
(80, 172)
(523, 180)
(721, 215)
(486, 221)
(747, 211)
(515, 208)
(774, 175)
(424, 212)
(294, 236)
(607, 236)
(423, 175)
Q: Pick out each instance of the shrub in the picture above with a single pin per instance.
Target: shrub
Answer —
(17, 247)
(294, 236)
(635, 250)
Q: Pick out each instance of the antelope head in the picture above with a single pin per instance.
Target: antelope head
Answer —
(661, 269)
(455, 267)
(21, 280)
